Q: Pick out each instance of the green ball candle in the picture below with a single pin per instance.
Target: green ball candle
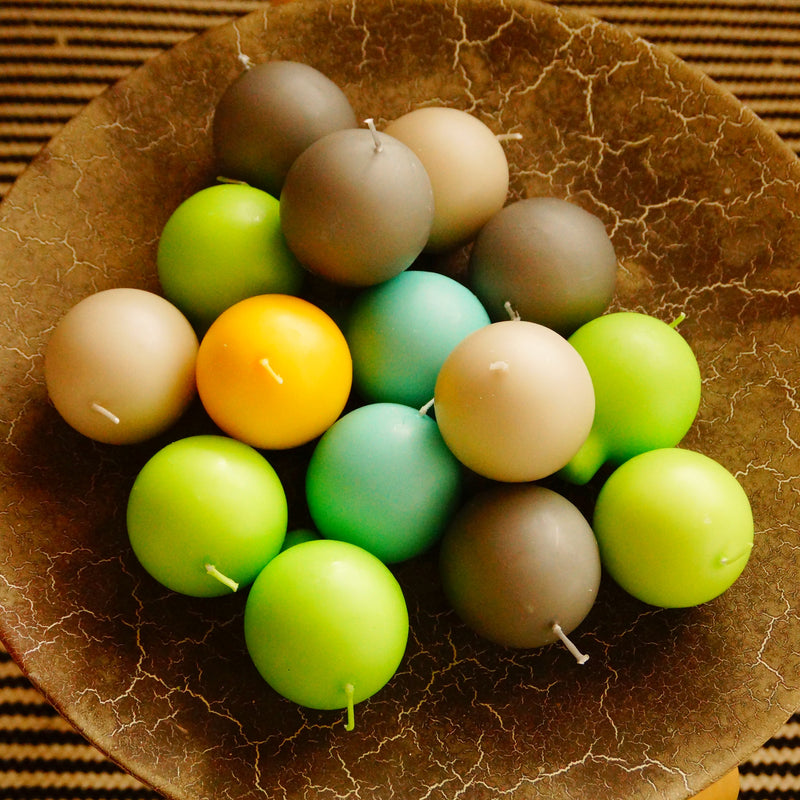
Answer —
(674, 527)
(221, 245)
(646, 386)
(401, 331)
(205, 514)
(382, 478)
(326, 625)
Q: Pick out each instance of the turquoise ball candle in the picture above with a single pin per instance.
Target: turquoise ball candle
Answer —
(326, 625)
(382, 478)
(401, 332)
(205, 514)
(222, 245)
(674, 527)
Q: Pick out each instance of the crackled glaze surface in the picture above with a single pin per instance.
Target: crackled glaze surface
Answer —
(702, 204)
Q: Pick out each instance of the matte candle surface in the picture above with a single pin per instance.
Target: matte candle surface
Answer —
(206, 508)
(467, 167)
(514, 401)
(675, 528)
(382, 478)
(274, 371)
(647, 388)
(551, 259)
(120, 365)
(357, 207)
(269, 115)
(221, 245)
(518, 559)
(324, 616)
(401, 332)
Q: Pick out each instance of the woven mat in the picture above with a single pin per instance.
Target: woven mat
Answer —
(55, 56)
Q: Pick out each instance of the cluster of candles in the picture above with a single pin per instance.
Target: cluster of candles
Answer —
(518, 374)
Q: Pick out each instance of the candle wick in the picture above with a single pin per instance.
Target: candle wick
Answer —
(265, 363)
(224, 579)
(677, 321)
(370, 123)
(349, 690)
(499, 366)
(511, 311)
(426, 408)
(105, 412)
(225, 179)
(505, 137)
(581, 658)
(245, 60)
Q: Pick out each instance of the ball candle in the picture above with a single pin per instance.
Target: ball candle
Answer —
(326, 625)
(520, 566)
(551, 259)
(674, 527)
(119, 366)
(274, 371)
(382, 478)
(467, 166)
(726, 788)
(647, 389)
(269, 115)
(401, 331)
(221, 245)
(205, 514)
(357, 207)
(514, 401)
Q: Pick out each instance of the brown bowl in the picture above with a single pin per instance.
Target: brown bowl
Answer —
(703, 205)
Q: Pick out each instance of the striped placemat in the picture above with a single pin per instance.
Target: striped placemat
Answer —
(55, 56)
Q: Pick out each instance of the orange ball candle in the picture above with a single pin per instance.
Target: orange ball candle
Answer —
(274, 371)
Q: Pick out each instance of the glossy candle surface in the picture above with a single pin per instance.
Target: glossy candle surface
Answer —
(467, 166)
(323, 615)
(269, 115)
(274, 371)
(401, 332)
(518, 559)
(120, 365)
(514, 401)
(221, 245)
(551, 259)
(206, 501)
(357, 207)
(675, 528)
(382, 478)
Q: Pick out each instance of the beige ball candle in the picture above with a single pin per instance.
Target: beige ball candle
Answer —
(467, 166)
(120, 365)
(514, 401)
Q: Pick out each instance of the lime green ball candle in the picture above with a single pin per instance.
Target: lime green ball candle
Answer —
(221, 245)
(205, 514)
(401, 331)
(646, 385)
(326, 625)
(674, 527)
(382, 478)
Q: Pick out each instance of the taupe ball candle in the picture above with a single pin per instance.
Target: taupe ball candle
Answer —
(520, 565)
(271, 113)
(357, 207)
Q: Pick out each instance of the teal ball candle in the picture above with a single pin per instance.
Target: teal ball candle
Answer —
(326, 624)
(205, 514)
(382, 478)
(674, 527)
(401, 331)
(222, 245)
(647, 389)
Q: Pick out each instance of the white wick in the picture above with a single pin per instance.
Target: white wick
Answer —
(370, 123)
(505, 137)
(245, 60)
(499, 366)
(581, 658)
(265, 363)
(426, 408)
(511, 311)
(105, 412)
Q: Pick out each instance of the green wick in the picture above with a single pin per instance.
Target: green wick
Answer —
(215, 573)
(351, 723)
(677, 321)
